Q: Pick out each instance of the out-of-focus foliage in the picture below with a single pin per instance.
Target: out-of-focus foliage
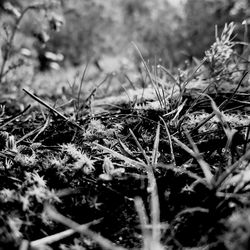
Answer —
(161, 29)
(92, 28)
(154, 26)
(201, 18)
(25, 24)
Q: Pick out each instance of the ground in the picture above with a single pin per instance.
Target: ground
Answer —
(127, 160)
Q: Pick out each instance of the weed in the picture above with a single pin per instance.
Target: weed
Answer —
(220, 58)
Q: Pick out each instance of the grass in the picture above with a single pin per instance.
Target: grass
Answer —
(166, 167)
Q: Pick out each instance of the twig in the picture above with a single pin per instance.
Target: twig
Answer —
(15, 117)
(52, 109)
(46, 124)
(59, 236)
(36, 130)
(103, 242)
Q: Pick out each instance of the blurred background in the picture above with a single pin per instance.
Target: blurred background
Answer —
(169, 30)
(67, 34)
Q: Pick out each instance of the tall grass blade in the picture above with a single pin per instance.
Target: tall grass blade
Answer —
(80, 89)
(149, 75)
(170, 142)
(156, 146)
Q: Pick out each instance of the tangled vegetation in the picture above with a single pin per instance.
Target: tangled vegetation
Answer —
(140, 158)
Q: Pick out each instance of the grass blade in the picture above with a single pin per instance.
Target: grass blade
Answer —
(140, 147)
(149, 75)
(103, 242)
(140, 208)
(59, 236)
(170, 141)
(80, 89)
(120, 156)
(156, 146)
(204, 166)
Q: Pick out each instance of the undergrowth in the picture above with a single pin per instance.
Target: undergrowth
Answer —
(167, 173)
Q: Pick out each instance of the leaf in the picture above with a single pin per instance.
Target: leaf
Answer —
(107, 166)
